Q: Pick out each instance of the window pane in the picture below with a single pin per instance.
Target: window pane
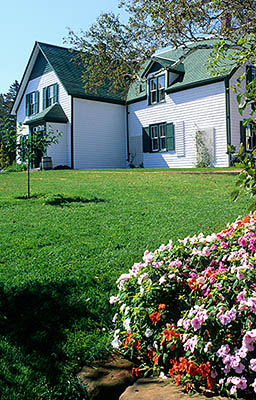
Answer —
(162, 143)
(153, 84)
(155, 144)
(161, 82)
(154, 132)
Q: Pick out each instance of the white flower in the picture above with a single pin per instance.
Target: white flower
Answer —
(122, 307)
(116, 343)
(162, 375)
(148, 333)
(113, 299)
(141, 290)
(126, 324)
(114, 318)
(126, 310)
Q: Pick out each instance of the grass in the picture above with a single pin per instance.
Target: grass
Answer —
(62, 251)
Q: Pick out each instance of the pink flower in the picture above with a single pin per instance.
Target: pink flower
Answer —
(190, 344)
(223, 350)
(242, 241)
(224, 245)
(249, 339)
(196, 323)
(253, 364)
(254, 385)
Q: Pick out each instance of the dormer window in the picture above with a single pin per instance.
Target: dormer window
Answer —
(157, 89)
(50, 95)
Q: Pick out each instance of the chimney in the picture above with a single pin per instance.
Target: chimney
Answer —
(226, 22)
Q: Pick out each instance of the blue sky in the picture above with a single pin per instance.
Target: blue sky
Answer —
(22, 22)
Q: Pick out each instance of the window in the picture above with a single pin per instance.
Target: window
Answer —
(50, 95)
(157, 89)
(248, 136)
(158, 137)
(32, 103)
(251, 74)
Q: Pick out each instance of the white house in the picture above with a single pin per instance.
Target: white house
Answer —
(155, 127)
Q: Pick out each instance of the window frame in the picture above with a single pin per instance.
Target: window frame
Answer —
(250, 137)
(50, 95)
(158, 91)
(157, 138)
(32, 103)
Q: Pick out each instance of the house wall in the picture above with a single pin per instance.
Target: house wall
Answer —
(64, 100)
(235, 117)
(201, 108)
(99, 134)
(59, 151)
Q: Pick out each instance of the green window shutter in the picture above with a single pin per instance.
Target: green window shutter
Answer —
(36, 102)
(248, 75)
(55, 93)
(44, 97)
(170, 139)
(27, 105)
(146, 140)
(242, 134)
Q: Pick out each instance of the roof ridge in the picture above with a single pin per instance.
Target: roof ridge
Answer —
(55, 45)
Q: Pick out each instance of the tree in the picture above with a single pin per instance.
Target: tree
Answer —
(36, 142)
(8, 124)
(110, 48)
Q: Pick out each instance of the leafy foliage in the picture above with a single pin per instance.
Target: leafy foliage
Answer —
(111, 49)
(8, 124)
(34, 143)
(246, 183)
(188, 311)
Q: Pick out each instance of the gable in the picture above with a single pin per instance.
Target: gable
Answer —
(41, 67)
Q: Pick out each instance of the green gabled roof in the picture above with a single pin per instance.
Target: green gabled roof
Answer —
(70, 74)
(195, 67)
(53, 113)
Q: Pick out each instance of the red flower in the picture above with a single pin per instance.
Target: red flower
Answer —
(128, 339)
(155, 317)
(177, 379)
(155, 359)
(192, 370)
(204, 369)
(135, 371)
(210, 382)
(161, 307)
(136, 344)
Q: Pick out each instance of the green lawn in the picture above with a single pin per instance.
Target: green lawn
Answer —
(62, 251)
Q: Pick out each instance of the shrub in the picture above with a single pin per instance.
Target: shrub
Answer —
(4, 159)
(188, 311)
(16, 168)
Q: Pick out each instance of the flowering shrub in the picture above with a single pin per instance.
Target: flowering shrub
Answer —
(188, 311)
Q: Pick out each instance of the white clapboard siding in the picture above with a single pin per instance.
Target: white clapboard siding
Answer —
(199, 108)
(59, 152)
(99, 135)
(64, 99)
(180, 138)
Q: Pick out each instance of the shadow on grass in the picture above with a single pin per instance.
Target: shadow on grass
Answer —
(61, 201)
(34, 196)
(37, 317)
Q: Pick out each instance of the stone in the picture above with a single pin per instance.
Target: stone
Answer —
(160, 389)
(107, 379)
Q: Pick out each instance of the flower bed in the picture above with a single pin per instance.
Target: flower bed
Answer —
(188, 311)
